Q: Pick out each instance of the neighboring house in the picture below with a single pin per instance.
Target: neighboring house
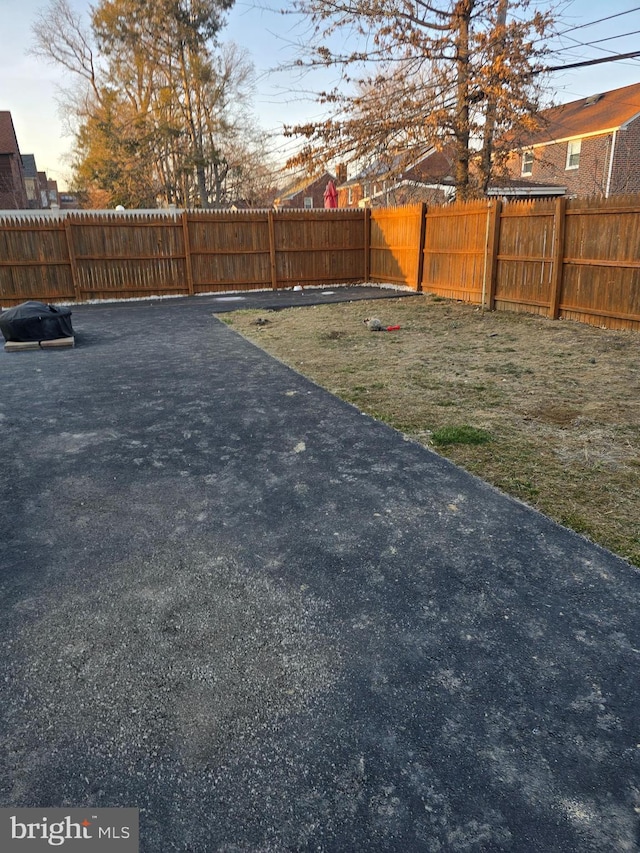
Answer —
(13, 194)
(519, 189)
(52, 193)
(44, 190)
(31, 181)
(307, 193)
(430, 179)
(68, 201)
(590, 146)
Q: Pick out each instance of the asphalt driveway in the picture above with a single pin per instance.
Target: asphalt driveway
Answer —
(273, 624)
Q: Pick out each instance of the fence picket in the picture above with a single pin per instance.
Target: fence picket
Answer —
(558, 257)
(575, 259)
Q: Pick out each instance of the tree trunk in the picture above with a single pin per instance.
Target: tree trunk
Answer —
(194, 132)
(491, 110)
(462, 16)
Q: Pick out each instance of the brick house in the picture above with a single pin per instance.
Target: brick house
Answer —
(430, 179)
(42, 186)
(307, 194)
(69, 201)
(31, 181)
(53, 198)
(13, 193)
(590, 146)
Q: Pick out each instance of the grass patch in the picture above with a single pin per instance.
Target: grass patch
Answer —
(333, 335)
(577, 523)
(558, 400)
(524, 489)
(509, 368)
(463, 434)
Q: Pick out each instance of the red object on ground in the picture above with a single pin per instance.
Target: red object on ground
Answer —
(392, 328)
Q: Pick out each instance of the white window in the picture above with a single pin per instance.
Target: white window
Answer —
(308, 202)
(527, 162)
(573, 154)
(350, 196)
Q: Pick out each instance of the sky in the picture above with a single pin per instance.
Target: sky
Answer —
(29, 87)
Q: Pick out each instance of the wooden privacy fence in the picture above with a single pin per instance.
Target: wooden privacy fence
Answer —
(577, 259)
(84, 256)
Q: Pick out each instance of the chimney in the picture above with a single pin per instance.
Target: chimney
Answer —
(341, 173)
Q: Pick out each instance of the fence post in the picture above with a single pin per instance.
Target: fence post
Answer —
(367, 244)
(492, 253)
(423, 231)
(187, 251)
(272, 251)
(557, 271)
(72, 259)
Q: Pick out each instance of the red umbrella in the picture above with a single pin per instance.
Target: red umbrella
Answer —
(330, 195)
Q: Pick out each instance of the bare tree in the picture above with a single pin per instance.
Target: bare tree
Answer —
(426, 74)
(162, 100)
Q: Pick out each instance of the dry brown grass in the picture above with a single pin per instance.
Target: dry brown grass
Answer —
(560, 400)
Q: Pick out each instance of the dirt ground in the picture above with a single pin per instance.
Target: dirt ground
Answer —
(557, 402)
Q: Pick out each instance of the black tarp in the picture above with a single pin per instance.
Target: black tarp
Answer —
(35, 321)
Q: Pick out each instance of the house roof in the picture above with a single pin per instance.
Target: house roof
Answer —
(436, 167)
(29, 166)
(598, 113)
(301, 184)
(521, 188)
(8, 139)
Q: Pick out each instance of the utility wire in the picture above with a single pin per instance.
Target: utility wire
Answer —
(582, 27)
(599, 41)
(611, 53)
(587, 62)
(612, 58)
(599, 21)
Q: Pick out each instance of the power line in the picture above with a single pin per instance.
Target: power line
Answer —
(570, 48)
(608, 38)
(599, 21)
(614, 57)
(587, 62)
(584, 26)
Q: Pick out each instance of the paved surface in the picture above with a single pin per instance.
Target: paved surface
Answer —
(270, 300)
(273, 624)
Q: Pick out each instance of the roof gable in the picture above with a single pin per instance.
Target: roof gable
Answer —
(8, 139)
(29, 166)
(595, 114)
(435, 167)
(304, 184)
